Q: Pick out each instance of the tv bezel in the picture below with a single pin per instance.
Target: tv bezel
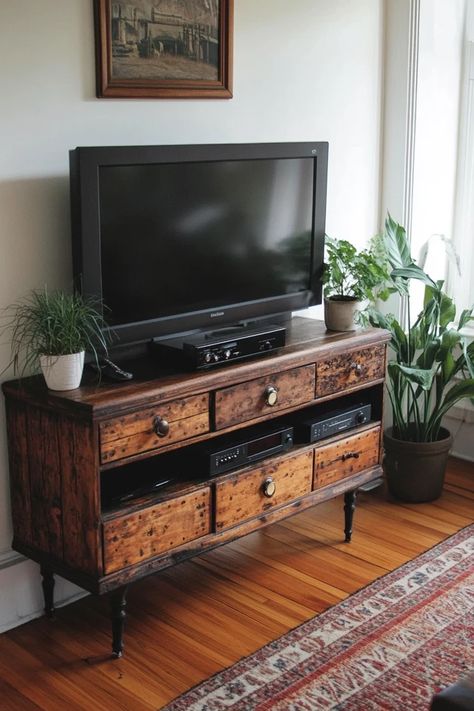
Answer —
(85, 163)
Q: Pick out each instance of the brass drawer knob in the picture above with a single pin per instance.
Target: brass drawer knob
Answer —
(271, 395)
(269, 487)
(161, 426)
(357, 368)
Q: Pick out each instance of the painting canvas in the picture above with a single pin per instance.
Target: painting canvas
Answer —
(164, 48)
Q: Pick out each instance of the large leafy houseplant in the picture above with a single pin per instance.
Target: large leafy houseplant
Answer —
(351, 277)
(47, 326)
(431, 366)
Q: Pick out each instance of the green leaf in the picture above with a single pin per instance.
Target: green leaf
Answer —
(398, 249)
(466, 316)
(447, 310)
(458, 392)
(428, 354)
(468, 351)
(412, 271)
(417, 376)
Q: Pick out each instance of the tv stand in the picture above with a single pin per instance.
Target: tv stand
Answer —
(68, 451)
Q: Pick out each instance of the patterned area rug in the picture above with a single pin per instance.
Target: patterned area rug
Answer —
(391, 645)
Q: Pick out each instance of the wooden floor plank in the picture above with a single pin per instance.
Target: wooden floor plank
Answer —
(190, 621)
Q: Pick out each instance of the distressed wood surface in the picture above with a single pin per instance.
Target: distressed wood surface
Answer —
(242, 497)
(148, 441)
(307, 341)
(136, 537)
(20, 492)
(348, 369)
(64, 441)
(345, 457)
(82, 546)
(247, 400)
(45, 481)
(142, 420)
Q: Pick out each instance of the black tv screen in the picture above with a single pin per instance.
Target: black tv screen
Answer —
(178, 238)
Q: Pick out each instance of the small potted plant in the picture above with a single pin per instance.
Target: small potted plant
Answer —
(430, 369)
(55, 329)
(350, 278)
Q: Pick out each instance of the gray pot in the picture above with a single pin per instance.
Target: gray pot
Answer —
(340, 313)
(415, 470)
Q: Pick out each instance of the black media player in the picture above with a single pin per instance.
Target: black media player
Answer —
(203, 351)
(242, 448)
(312, 429)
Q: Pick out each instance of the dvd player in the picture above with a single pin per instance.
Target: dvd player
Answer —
(242, 448)
(312, 429)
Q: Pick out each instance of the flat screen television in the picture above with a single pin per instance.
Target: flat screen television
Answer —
(177, 239)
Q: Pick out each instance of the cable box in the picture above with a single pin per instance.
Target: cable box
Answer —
(203, 351)
(312, 429)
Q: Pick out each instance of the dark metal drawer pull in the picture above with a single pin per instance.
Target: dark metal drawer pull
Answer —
(350, 455)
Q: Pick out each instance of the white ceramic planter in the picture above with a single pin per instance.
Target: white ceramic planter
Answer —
(339, 315)
(62, 372)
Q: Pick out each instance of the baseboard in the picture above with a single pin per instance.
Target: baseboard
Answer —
(21, 597)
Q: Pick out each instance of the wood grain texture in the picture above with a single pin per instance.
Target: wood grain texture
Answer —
(241, 497)
(20, 493)
(345, 457)
(133, 538)
(80, 496)
(203, 615)
(307, 341)
(349, 369)
(130, 434)
(248, 399)
(42, 444)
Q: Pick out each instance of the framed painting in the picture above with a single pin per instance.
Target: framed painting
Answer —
(175, 49)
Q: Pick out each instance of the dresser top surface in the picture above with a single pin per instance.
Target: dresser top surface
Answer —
(307, 341)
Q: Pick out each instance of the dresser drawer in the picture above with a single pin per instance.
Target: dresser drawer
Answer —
(144, 534)
(150, 429)
(350, 369)
(264, 396)
(252, 493)
(347, 456)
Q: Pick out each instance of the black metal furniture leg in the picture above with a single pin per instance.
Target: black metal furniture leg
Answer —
(48, 590)
(118, 602)
(349, 508)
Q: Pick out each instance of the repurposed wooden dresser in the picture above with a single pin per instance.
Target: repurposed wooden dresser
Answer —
(77, 458)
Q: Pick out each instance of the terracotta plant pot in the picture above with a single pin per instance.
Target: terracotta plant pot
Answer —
(340, 313)
(63, 372)
(415, 470)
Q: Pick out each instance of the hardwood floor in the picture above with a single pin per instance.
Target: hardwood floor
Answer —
(189, 622)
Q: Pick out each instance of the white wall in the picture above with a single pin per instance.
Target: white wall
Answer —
(305, 70)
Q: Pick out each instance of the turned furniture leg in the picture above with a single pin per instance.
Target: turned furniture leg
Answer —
(349, 508)
(48, 590)
(118, 601)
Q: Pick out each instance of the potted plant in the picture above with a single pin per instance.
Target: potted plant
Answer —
(350, 278)
(430, 370)
(55, 329)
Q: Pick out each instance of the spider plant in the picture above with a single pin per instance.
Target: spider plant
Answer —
(53, 323)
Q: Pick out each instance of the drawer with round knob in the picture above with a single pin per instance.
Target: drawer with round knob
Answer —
(153, 428)
(264, 396)
(349, 370)
(250, 493)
